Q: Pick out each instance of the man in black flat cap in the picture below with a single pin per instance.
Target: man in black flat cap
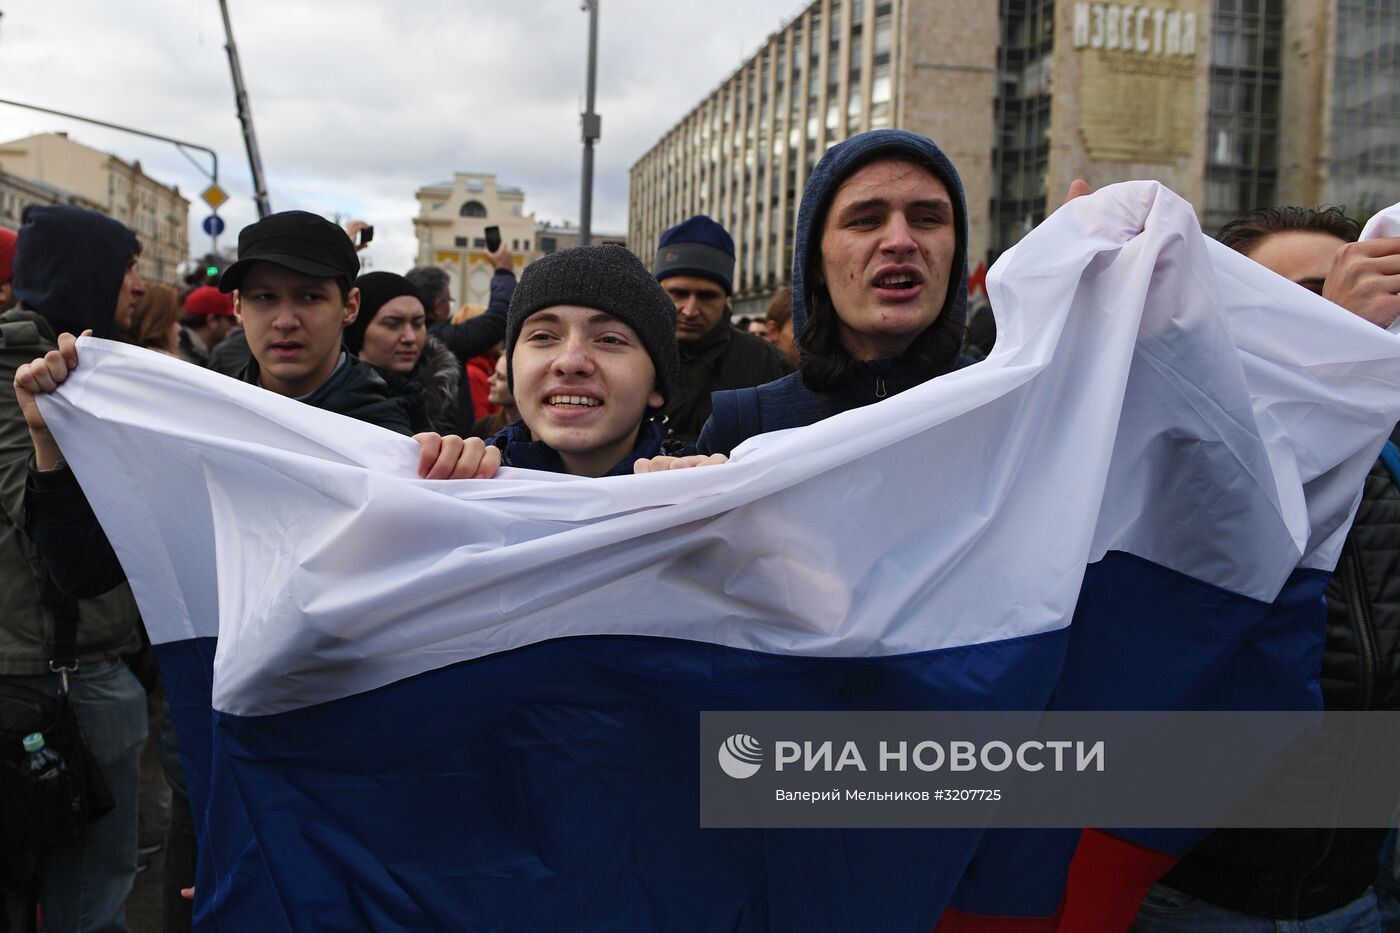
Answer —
(294, 293)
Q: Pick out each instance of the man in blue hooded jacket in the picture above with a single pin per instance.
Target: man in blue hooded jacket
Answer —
(879, 287)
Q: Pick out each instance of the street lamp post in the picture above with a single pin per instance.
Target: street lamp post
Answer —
(592, 127)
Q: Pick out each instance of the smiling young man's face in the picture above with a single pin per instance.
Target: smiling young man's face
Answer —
(886, 251)
(583, 381)
(293, 323)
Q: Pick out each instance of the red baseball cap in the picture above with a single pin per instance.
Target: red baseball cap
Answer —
(207, 301)
(8, 239)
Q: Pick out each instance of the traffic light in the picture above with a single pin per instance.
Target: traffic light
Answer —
(206, 271)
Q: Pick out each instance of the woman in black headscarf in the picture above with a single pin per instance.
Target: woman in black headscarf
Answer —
(390, 332)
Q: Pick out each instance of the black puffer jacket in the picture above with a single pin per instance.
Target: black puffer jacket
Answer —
(1361, 660)
(1300, 873)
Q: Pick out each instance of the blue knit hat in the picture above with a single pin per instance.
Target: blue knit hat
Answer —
(698, 247)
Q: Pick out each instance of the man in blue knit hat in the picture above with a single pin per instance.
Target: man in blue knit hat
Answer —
(695, 264)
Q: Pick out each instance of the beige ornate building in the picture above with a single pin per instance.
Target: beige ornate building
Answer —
(158, 213)
(1234, 105)
(451, 229)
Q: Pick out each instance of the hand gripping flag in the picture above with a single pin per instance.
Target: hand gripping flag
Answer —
(474, 705)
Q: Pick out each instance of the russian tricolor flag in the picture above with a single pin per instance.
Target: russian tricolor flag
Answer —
(475, 705)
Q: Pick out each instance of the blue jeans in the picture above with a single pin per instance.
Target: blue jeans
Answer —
(83, 886)
(1167, 910)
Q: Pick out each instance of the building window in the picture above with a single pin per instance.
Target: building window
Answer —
(1364, 145)
(884, 32)
(548, 244)
(527, 246)
(479, 243)
(1021, 158)
(460, 241)
(473, 209)
(1242, 134)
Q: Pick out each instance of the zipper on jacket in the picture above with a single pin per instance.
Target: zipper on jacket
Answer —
(1365, 638)
(880, 387)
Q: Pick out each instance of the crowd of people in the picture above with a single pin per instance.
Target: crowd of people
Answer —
(591, 364)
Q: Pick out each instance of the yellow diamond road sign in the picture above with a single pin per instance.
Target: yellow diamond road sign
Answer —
(214, 196)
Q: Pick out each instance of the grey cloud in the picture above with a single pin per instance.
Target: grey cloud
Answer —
(358, 103)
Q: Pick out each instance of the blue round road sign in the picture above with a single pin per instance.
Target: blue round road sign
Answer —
(213, 225)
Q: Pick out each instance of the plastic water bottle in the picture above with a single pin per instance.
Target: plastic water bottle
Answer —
(41, 763)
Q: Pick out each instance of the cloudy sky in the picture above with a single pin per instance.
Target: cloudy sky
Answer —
(357, 103)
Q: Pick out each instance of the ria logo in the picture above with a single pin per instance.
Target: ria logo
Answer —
(741, 756)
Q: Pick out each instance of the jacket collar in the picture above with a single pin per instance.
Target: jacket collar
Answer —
(716, 336)
(519, 449)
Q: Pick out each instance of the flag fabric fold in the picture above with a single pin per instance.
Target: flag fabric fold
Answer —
(475, 704)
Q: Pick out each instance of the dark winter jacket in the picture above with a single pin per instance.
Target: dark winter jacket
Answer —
(790, 402)
(108, 624)
(481, 333)
(723, 359)
(1361, 659)
(476, 336)
(1301, 873)
(193, 347)
(432, 388)
(519, 449)
(358, 390)
(75, 549)
(231, 356)
(441, 376)
(69, 268)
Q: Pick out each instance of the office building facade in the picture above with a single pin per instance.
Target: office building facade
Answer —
(1233, 104)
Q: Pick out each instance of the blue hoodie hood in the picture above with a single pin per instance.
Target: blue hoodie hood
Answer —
(69, 267)
(840, 161)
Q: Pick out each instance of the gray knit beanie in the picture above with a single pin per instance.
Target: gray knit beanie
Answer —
(608, 278)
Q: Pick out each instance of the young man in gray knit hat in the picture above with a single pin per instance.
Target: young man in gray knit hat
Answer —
(591, 359)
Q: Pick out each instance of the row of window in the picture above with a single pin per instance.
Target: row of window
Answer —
(719, 161)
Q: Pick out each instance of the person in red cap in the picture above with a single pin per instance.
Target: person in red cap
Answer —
(207, 320)
(8, 239)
